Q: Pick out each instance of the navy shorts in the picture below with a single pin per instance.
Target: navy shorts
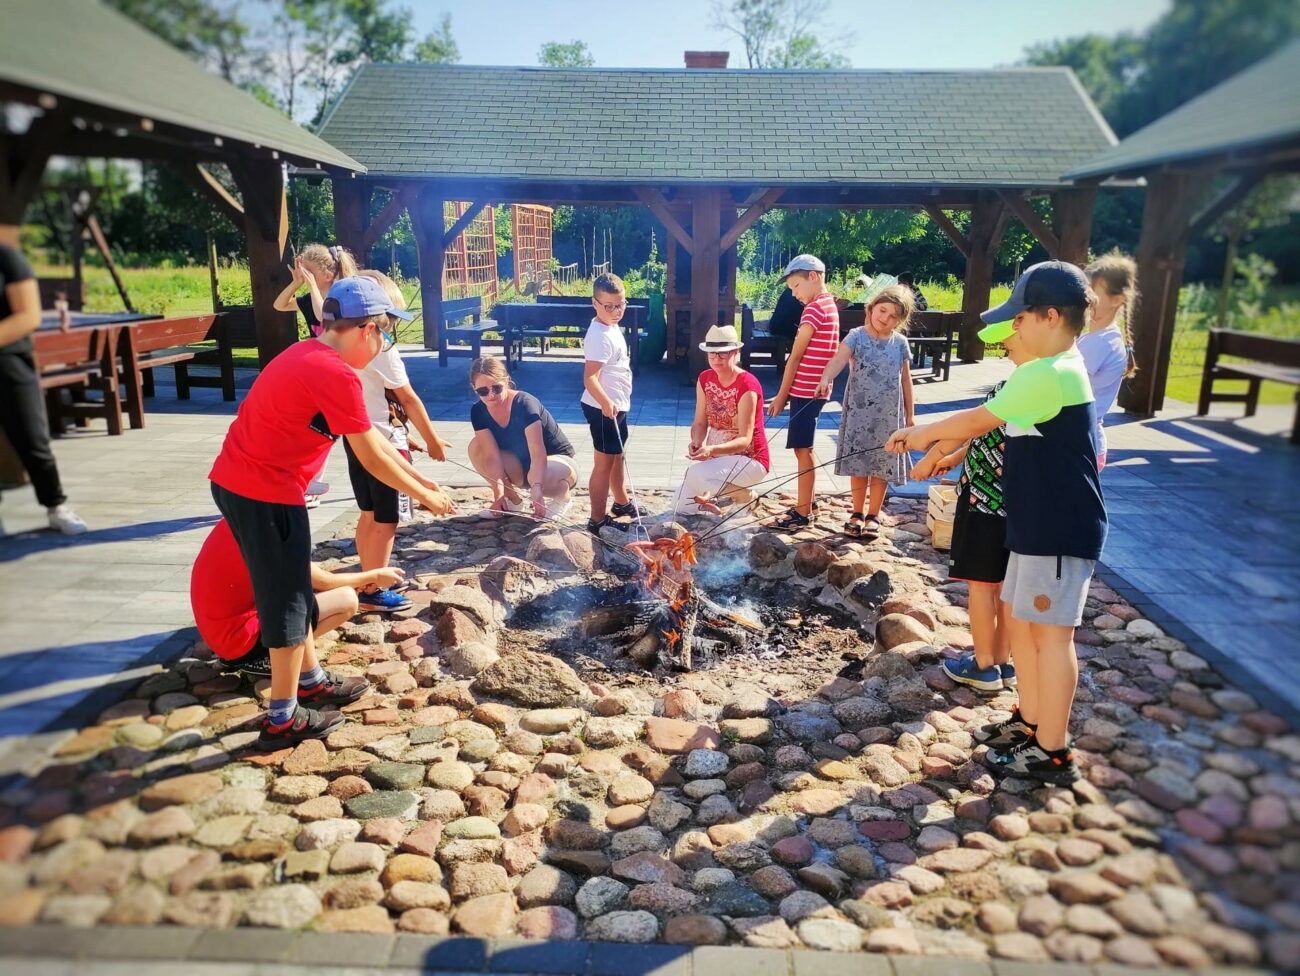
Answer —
(979, 545)
(803, 421)
(607, 436)
(372, 494)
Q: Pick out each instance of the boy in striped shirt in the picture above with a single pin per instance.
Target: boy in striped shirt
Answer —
(814, 344)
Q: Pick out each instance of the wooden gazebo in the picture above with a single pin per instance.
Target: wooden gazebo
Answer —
(1245, 128)
(96, 84)
(709, 150)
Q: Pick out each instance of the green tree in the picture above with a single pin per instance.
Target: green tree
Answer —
(779, 33)
(557, 54)
(439, 47)
(378, 34)
(1266, 206)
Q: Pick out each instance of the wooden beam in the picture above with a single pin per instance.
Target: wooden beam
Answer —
(266, 229)
(24, 161)
(463, 221)
(706, 225)
(427, 222)
(988, 222)
(653, 199)
(101, 243)
(746, 220)
(350, 196)
(1027, 215)
(216, 193)
(1072, 211)
(954, 233)
(401, 200)
(1234, 194)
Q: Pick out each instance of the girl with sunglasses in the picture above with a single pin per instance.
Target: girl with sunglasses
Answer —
(518, 447)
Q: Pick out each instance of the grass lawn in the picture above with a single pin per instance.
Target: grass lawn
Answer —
(184, 291)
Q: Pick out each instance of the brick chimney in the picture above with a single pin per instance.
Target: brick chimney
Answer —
(707, 59)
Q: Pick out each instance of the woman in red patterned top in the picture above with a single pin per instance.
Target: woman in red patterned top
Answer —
(728, 442)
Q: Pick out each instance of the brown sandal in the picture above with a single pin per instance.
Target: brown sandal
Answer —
(854, 526)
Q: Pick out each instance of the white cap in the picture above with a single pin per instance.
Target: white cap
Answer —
(803, 262)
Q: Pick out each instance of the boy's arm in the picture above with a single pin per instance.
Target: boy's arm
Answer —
(436, 447)
(381, 459)
(323, 579)
(959, 427)
(801, 340)
(591, 380)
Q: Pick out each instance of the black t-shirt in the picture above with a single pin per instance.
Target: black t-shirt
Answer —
(524, 412)
(13, 269)
(785, 317)
(308, 313)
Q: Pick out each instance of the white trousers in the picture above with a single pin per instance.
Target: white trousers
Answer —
(710, 476)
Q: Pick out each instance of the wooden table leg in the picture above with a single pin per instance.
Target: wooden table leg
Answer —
(108, 382)
(131, 378)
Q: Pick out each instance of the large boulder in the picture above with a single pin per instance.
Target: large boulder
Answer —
(899, 628)
(472, 602)
(516, 581)
(532, 679)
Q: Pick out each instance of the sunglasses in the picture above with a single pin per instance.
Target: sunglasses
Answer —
(387, 338)
(496, 389)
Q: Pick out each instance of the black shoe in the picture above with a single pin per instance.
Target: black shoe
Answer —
(1006, 734)
(1031, 761)
(307, 723)
(334, 690)
(594, 526)
(630, 510)
(252, 667)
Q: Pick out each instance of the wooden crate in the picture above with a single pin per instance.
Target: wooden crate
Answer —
(940, 511)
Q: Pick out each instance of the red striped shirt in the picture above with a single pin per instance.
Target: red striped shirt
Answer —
(824, 317)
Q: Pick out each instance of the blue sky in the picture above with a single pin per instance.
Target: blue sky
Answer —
(654, 33)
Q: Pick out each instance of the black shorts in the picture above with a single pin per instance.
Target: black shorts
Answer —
(259, 650)
(607, 436)
(803, 421)
(372, 494)
(979, 545)
(275, 541)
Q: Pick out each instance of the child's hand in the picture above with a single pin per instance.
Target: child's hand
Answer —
(824, 390)
(386, 577)
(944, 465)
(897, 442)
(609, 410)
(437, 448)
(436, 502)
(922, 470)
(776, 406)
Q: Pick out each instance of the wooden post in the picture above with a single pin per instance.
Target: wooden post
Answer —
(988, 222)
(22, 164)
(1072, 222)
(266, 226)
(350, 198)
(706, 234)
(428, 223)
(1162, 251)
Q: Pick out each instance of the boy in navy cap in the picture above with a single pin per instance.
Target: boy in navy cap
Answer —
(305, 399)
(1056, 519)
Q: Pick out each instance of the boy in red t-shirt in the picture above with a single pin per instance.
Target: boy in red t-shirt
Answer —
(815, 343)
(304, 400)
(225, 611)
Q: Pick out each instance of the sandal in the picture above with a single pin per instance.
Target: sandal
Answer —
(792, 519)
(870, 528)
(854, 526)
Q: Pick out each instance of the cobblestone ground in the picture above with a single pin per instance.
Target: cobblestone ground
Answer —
(489, 790)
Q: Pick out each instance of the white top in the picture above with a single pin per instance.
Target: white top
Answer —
(385, 372)
(605, 344)
(1106, 357)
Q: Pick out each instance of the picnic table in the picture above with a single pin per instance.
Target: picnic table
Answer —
(559, 320)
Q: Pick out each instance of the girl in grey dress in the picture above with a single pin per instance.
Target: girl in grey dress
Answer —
(878, 402)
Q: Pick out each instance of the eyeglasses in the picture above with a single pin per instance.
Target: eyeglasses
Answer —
(388, 339)
(496, 389)
(612, 307)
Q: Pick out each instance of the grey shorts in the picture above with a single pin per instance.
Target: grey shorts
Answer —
(1047, 589)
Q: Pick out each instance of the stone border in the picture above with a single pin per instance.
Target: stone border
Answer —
(459, 954)
(1221, 660)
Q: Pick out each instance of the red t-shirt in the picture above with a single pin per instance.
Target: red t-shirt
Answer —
(304, 400)
(221, 595)
(824, 318)
(722, 404)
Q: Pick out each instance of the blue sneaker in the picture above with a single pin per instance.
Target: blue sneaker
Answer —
(965, 671)
(1008, 676)
(382, 601)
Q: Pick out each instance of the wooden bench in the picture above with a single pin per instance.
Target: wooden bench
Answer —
(932, 335)
(235, 328)
(1277, 360)
(563, 320)
(79, 360)
(145, 346)
(462, 321)
(581, 300)
(760, 342)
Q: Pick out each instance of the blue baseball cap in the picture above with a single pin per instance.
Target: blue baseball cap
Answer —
(360, 297)
(1056, 283)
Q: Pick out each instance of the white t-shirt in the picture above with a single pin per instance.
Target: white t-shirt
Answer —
(1106, 356)
(605, 344)
(385, 372)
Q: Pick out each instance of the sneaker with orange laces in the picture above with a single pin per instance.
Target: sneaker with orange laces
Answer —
(1029, 760)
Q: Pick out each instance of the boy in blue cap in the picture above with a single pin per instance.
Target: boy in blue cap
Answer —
(1056, 518)
(304, 400)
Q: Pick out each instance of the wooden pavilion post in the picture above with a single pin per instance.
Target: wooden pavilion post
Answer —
(706, 234)
(1072, 222)
(428, 223)
(266, 225)
(988, 222)
(1162, 251)
(350, 197)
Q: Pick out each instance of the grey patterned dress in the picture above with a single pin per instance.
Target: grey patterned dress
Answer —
(873, 407)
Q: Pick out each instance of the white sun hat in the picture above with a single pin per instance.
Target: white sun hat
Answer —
(721, 338)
